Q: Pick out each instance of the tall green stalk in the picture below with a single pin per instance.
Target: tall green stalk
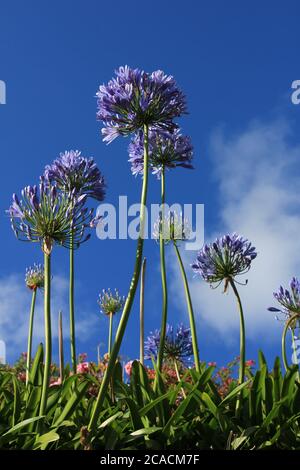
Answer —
(60, 347)
(98, 354)
(190, 309)
(164, 315)
(283, 339)
(242, 343)
(30, 331)
(142, 312)
(71, 305)
(130, 297)
(111, 316)
(48, 339)
(178, 377)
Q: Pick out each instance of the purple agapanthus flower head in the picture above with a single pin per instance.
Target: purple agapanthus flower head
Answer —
(135, 98)
(289, 299)
(166, 150)
(48, 216)
(178, 344)
(74, 172)
(110, 302)
(34, 277)
(224, 259)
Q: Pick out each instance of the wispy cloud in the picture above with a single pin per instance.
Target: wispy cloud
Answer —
(14, 314)
(257, 176)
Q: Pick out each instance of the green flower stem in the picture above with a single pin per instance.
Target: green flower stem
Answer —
(71, 305)
(242, 341)
(178, 377)
(190, 309)
(61, 347)
(283, 339)
(111, 316)
(30, 331)
(48, 341)
(98, 354)
(164, 315)
(130, 297)
(142, 312)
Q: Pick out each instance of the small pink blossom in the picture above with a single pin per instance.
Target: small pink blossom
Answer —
(55, 382)
(22, 376)
(250, 363)
(83, 368)
(212, 364)
(128, 367)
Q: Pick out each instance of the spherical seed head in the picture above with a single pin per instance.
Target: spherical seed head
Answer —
(34, 277)
(74, 172)
(166, 150)
(178, 344)
(109, 302)
(48, 216)
(173, 227)
(226, 258)
(135, 98)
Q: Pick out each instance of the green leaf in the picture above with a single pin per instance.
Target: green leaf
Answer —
(177, 414)
(111, 419)
(234, 392)
(43, 440)
(9, 434)
(145, 410)
(261, 359)
(71, 405)
(38, 360)
(134, 413)
(145, 431)
(135, 384)
(17, 401)
(277, 379)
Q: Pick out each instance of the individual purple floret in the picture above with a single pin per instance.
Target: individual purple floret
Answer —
(166, 150)
(224, 259)
(178, 344)
(74, 172)
(136, 98)
(288, 299)
(47, 216)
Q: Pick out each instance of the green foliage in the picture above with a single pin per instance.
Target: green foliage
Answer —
(190, 415)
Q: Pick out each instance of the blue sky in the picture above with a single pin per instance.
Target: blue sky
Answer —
(235, 63)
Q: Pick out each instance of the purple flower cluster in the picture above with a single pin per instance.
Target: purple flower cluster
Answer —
(136, 98)
(288, 299)
(34, 277)
(226, 258)
(166, 150)
(178, 344)
(48, 216)
(74, 172)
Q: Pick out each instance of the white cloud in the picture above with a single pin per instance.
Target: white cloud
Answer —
(15, 302)
(257, 175)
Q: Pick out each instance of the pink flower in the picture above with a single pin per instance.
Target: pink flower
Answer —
(83, 368)
(128, 367)
(82, 357)
(212, 364)
(250, 363)
(55, 382)
(22, 376)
